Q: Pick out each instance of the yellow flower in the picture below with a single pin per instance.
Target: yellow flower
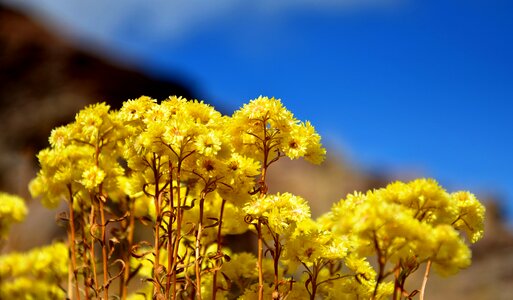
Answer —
(451, 253)
(282, 211)
(315, 152)
(415, 219)
(60, 137)
(209, 167)
(136, 109)
(202, 113)
(428, 200)
(296, 143)
(91, 121)
(208, 144)
(36, 274)
(92, 177)
(241, 269)
(239, 179)
(12, 210)
(470, 215)
(311, 244)
(264, 128)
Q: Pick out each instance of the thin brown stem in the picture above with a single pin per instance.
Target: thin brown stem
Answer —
(313, 278)
(263, 192)
(86, 273)
(176, 242)
(70, 280)
(276, 260)
(156, 244)
(92, 221)
(197, 262)
(170, 247)
(219, 250)
(397, 287)
(104, 252)
(381, 265)
(72, 242)
(424, 281)
(260, 258)
(157, 197)
(130, 241)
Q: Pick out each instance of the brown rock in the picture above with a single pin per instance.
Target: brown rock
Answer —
(44, 81)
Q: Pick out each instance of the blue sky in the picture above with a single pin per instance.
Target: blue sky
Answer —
(401, 86)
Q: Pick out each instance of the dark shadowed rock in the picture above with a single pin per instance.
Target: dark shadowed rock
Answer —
(45, 81)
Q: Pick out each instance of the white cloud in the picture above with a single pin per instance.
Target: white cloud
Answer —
(100, 19)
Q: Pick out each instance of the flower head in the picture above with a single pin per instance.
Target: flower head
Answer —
(265, 129)
(12, 210)
(282, 211)
(470, 215)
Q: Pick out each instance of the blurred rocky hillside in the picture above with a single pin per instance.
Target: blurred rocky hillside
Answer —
(45, 80)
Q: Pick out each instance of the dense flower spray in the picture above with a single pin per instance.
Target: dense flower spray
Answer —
(194, 177)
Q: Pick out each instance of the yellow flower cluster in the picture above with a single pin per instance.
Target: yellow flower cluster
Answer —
(265, 127)
(36, 274)
(312, 244)
(12, 210)
(196, 176)
(408, 224)
(82, 156)
(281, 211)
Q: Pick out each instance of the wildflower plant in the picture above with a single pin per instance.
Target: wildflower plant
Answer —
(194, 176)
